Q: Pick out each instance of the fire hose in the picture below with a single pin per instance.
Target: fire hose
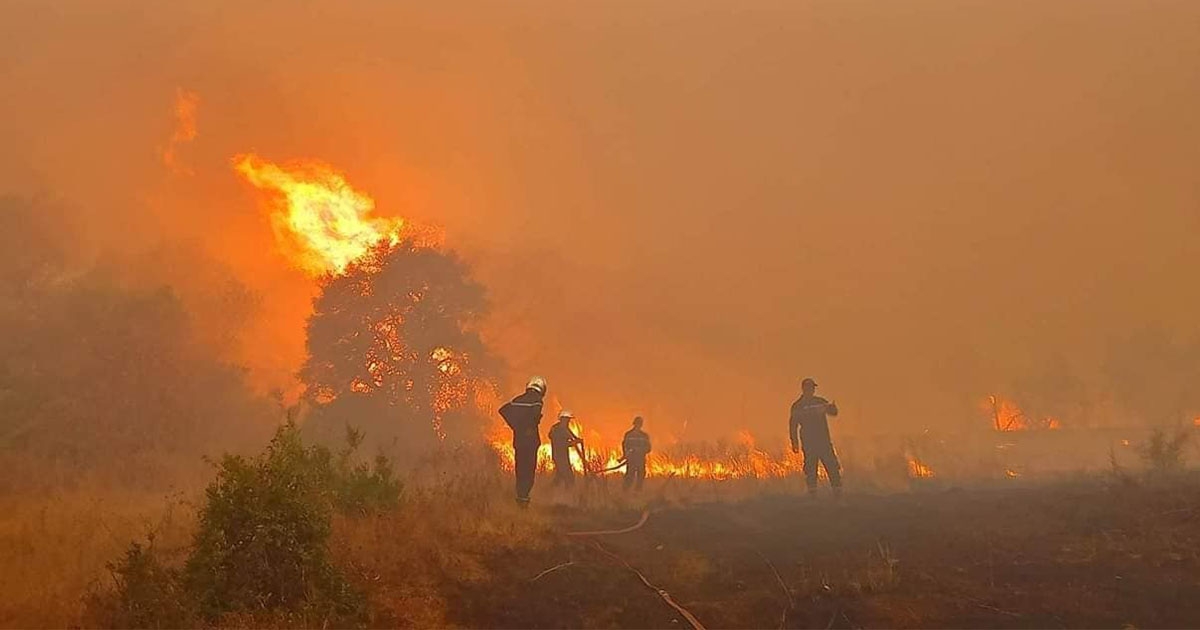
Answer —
(583, 459)
(662, 593)
(666, 597)
(616, 466)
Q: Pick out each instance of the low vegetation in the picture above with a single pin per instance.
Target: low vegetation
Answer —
(304, 535)
(261, 547)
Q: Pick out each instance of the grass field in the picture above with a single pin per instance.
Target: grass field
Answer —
(1100, 550)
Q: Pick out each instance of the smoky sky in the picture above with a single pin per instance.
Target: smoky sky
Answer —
(679, 209)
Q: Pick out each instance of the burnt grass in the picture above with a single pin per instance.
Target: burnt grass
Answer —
(1078, 554)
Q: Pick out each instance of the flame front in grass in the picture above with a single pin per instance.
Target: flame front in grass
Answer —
(322, 223)
(741, 461)
(918, 469)
(1006, 415)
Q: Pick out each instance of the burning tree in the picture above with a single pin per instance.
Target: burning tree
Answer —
(392, 339)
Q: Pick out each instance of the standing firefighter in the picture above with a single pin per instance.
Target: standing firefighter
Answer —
(523, 414)
(636, 447)
(809, 420)
(562, 440)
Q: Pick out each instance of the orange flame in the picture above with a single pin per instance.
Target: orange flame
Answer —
(1006, 415)
(918, 469)
(322, 222)
(744, 461)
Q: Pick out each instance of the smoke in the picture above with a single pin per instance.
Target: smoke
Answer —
(678, 211)
(185, 129)
(109, 372)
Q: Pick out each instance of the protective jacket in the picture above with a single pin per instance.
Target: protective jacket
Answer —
(808, 419)
(636, 444)
(523, 414)
(561, 441)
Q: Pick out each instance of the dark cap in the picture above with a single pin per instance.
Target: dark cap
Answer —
(808, 381)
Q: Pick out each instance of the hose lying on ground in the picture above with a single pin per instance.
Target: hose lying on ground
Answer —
(604, 532)
(666, 597)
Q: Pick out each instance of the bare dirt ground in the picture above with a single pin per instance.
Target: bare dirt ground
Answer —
(1070, 554)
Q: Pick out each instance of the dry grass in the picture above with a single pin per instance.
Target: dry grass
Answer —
(458, 551)
(449, 529)
(54, 548)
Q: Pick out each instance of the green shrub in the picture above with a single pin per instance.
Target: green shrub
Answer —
(260, 553)
(363, 488)
(261, 543)
(147, 594)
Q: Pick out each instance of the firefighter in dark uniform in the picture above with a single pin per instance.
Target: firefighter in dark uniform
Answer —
(523, 414)
(636, 446)
(562, 440)
(808, 419)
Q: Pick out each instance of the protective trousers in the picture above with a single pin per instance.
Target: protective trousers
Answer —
(525, 456)
(635, 472)
(821, 454)
(564, 475)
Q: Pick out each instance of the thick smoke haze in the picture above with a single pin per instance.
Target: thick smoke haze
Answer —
(679, 209)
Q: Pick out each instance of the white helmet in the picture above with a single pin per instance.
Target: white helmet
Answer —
(538, 383)
(566, 415)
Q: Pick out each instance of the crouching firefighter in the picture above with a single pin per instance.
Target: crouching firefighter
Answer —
(636, 447)
(523, 414)
(808, 419)
(562, 440)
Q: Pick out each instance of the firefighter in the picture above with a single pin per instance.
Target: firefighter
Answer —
(562, 440)
(808, 419)
(636, 447)
(523, 414)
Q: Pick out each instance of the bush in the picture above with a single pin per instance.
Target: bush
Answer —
(261, 548)
(365, 488)
(263, 531)
(1163, 453)
(147, 595)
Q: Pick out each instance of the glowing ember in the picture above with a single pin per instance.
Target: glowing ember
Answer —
(323, 223)
(1011, 474)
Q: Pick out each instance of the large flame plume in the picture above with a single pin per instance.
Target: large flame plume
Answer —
(322, 222)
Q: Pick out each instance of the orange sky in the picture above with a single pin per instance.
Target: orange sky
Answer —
(680, 208)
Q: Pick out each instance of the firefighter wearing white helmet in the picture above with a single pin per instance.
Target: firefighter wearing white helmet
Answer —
(523, 414)
(562, 440)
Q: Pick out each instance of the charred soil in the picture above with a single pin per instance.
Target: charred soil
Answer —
(1072, 554)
